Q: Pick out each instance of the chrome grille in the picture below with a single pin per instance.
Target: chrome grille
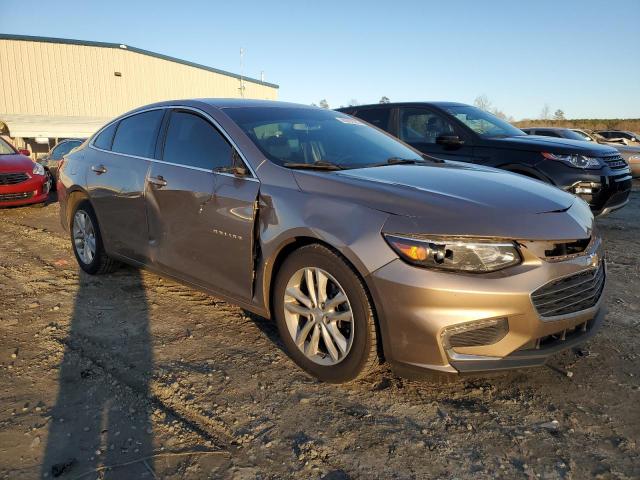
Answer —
(615, 161)
(10, 197)
(12, 178)
(570, 294)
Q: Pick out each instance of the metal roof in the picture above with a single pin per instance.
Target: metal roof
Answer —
(33, 126)
(119, 46)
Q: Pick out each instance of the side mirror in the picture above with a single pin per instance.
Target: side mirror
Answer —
(239, 170)
(24, 151)
(237, 167)
(451, 141)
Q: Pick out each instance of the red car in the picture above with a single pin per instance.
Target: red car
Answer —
(22, 181)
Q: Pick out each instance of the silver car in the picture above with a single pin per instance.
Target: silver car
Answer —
(358, 246)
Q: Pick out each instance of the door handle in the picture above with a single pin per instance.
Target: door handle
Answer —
(158, 181)
(100, 169)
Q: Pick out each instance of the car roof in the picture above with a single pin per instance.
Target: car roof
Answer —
(248, 102)
(440, 104)
(218, 103)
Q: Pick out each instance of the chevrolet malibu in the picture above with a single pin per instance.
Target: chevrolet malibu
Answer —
(359, 247)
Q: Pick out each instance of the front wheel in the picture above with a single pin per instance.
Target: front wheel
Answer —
(86, 241)
(324, 316)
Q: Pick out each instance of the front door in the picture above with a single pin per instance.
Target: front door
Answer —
(201, 221)
(424, 130)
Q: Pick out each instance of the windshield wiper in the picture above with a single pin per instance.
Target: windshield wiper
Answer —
(320, 165)
(396, 161)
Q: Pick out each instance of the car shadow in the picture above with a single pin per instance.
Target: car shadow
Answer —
(268, 328)
(102, 416)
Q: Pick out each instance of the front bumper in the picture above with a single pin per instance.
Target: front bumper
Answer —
(610, 189)
(417, 306)
(33, 190)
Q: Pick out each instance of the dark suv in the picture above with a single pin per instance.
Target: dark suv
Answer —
(455, 131)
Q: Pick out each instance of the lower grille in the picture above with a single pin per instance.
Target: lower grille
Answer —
(560, 337)
(10, 197)
(13, 178)
(476, 333)
(479, 336)
(570, 294)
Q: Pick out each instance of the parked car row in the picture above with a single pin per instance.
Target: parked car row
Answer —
(51, 161)
(454, 131)
(631, 154)
(23, 182)
(361, 246)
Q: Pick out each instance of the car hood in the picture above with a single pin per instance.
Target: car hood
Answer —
(15, 163)
(538, 143)
(459, 199)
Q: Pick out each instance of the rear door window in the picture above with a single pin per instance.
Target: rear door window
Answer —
(378, 117)
(137, 134)
(192, 141)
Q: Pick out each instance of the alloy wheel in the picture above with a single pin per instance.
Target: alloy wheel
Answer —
(84, 237)
(318, 316)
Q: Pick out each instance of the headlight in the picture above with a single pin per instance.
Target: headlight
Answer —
(634, 158)
(578, 161)
(38, 169)
(460, 254)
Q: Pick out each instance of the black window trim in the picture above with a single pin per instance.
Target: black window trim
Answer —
(209, 118)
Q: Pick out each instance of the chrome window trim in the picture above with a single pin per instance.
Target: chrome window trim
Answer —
(253, 178)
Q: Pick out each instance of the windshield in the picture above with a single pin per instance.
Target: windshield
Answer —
(5, 148)
(298, 136)
(483, 123)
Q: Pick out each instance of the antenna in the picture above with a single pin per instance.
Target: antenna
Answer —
(241, 69)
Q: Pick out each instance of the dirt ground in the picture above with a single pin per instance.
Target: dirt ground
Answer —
(133, 376)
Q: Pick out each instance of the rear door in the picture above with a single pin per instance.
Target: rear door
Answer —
(423, 129)
(201, 218)
(119, 160)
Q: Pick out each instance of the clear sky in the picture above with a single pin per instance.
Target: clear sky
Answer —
(582, 56)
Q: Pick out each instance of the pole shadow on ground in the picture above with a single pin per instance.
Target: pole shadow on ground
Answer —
(101, 417)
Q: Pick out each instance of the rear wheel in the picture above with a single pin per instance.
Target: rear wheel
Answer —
(324, 316)
(87, 242)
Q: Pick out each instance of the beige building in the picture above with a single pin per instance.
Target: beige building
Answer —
(52, 88)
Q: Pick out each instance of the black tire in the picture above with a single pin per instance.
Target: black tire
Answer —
(51, 180)
(101, 262)
(362, 358)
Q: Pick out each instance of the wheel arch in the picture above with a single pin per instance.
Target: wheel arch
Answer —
(294, 243)
(73, 199)
(526, 171)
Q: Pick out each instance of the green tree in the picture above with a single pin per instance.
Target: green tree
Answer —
(384, 99)
(324, 104)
